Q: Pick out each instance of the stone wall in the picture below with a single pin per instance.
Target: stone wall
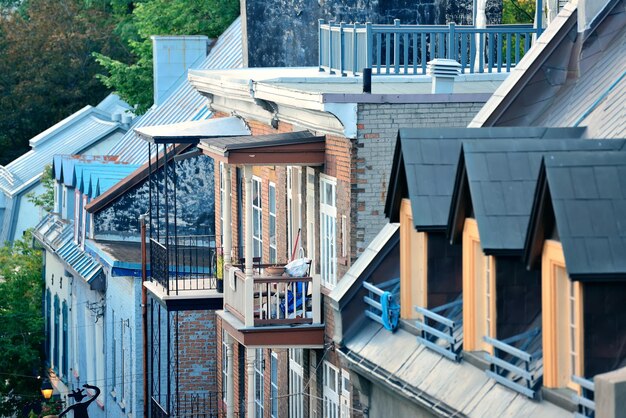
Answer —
(284, 33)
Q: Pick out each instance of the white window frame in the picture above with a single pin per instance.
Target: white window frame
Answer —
(259, 387)
(296, 383)
(346, 397)
(331, 391)
(271, 198)
(328, 231)
(224, 365)
(274, 385)
(257, 217)
(222, 195)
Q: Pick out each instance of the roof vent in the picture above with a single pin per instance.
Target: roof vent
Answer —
(117, 117)
(443, 72)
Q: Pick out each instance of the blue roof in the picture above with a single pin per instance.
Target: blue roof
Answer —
(184, 103)
(96, 179)
(72, 135)
(79, 261)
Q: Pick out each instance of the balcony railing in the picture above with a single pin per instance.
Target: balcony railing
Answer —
(188, 263)
(269, 300)
(190, 405)
(585, 401)
(512, 363)
(442, 329)
(406, 49)
(382, 303)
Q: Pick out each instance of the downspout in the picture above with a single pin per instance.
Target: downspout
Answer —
(144, 312)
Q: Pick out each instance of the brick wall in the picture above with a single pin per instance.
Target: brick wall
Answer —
(378, 126)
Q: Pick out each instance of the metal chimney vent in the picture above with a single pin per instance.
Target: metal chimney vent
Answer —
(443, 72)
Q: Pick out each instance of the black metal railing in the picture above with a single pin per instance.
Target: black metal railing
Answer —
(514, 365)
(585, 400)
(186, 263)
(442, 329)
(192, 405)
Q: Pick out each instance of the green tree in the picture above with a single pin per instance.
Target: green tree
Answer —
(133, 80)
(46, 199)
(21, 325)
(46, 68)
(518, 11)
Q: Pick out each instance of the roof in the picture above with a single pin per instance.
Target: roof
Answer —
(433, 382)
(425, 164)
(98, 178)
(184, 103)
(293, 148)
(70, 136)
(63, 166)
(192, 131)
(52, 231)
(502, 177)
(587, 194)
(568, 78)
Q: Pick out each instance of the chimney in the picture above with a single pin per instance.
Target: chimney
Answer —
(588, 11)
(172, 56)
(443, 73)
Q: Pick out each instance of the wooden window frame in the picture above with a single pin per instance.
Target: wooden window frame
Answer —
(413, 264)
(474, 292)
(556, 329)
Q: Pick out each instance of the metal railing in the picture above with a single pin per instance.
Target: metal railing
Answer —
(513, 366)
(382, 303)
(406, 49)
(442, 329)
(190, 405)
(188, 263)
(585, 400)
(271, 300)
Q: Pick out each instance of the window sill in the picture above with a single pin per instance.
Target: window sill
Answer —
(113, 395)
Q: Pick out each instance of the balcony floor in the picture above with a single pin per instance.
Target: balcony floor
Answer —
(274, 336)
(192, 294)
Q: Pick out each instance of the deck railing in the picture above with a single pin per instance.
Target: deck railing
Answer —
(269, 300)
(442, 329)
(188, 263)
(190, 405)
(585, 401)
(512, 364)
(406, 49)
(382, 303)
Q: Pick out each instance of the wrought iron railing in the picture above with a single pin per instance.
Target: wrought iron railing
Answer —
(382, 303)
(513, 365)
(442, 329)
(188, 263)
(191, 405)
(406, 49)
(585, 400)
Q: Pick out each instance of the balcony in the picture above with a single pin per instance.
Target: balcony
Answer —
(273, 310)
(517, 362)
(406, 49)
(442, 328)
(185, 270)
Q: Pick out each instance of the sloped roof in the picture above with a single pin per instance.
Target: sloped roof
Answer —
(568, 78)
(193, 131)
(502, 177)
(587, 194)
(425, 163)
(184, 103)
(70, 136)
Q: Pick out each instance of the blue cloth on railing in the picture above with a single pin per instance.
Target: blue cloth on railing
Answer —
(295, 299)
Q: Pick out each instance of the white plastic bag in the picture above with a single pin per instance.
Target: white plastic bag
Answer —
(298, 267)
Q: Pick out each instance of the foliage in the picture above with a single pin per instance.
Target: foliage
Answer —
(21, 325)
(518, 11)
(46, 199)
(47, 71)
(133, 80)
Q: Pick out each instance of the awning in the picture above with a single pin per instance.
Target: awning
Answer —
(292, 148)
(191, 132)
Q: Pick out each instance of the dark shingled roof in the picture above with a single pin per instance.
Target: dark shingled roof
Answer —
(587, 192)
(425, 162)
(502, 176)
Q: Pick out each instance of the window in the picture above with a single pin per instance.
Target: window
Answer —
(55, 341)
(224, 365)
(331, 391)
(562, 320)
(65, 364)
(274, 385)
(328, 231)
(296, 383)
(272, 204)
(48, 324)
(123, 359)
(222, 196)
(114, 353)
(294, 206)
(258, 384)
(479, 304)
(257, 218)
(346, 398)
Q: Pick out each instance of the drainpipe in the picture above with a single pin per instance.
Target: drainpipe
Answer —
(144, 312)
